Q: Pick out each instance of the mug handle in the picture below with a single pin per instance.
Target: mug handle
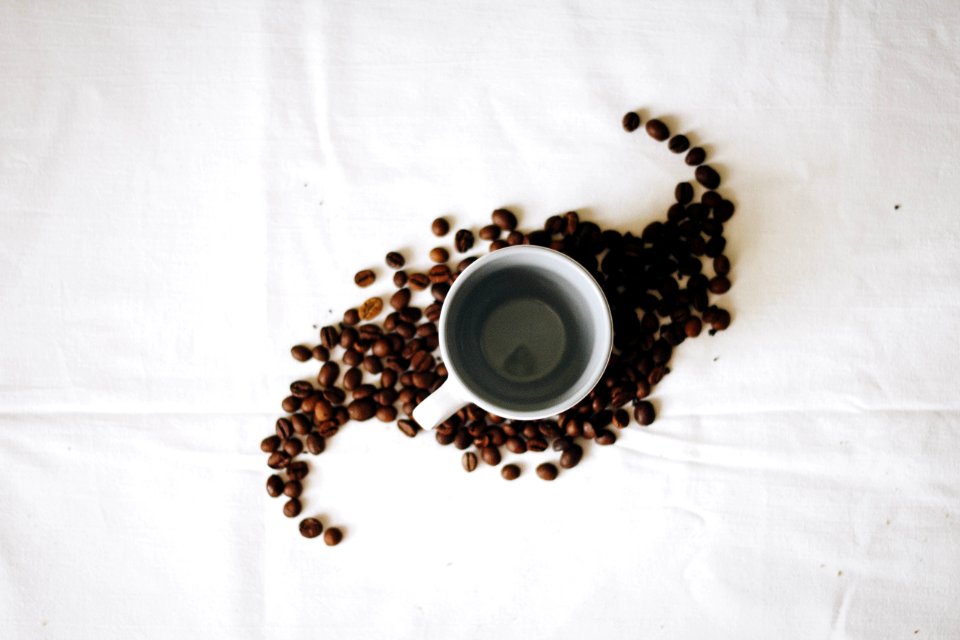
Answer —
(441, 404)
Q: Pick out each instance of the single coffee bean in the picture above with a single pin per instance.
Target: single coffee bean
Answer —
(298, 470)
(605, 437)
(284, 428)
(301, 389)
(352, 357)
(394, 260)
(310, 528)
(300, 353)
(352, 378)
(386, 413)
(400, 278)
(466, 262)
(419, 281)
(721, 265)
(723, 211)
(316, 444)
(439, 254)
(411, 314)
(719, 284)
(707, 176)
(320, 353)
(490, 455)
(721, 321)
(503, 219)
(695, 156)
(516, 444)
(644, 413)
(329, 337)
(422, 361)
(274, 486)
(348, 337)
(514, 238)
(400, 299)
(547, 470)
(469, 461)
(270, 444)
(351, 317)
(293, 447)
(657, 130)
(328, 375)
(440, 227)
(361, 410)
(423, 379)
(372, 364)
(292, 508)
(371, 308)
(292, 489)
(365, 278)
(439, 291)
(409, 428)
(463, 241)
(631, 121)
(683, 192)
(692, 327)
(510, 472)
(290, 404)
(490, 232)
(711, 199)
(571, 456)
(621, 418)
(496, 245)
(439, 273)
(332, 536)
(679, 143)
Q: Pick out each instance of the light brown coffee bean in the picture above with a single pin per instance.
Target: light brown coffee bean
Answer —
(365, 278)
(371, 308)
(469, 461)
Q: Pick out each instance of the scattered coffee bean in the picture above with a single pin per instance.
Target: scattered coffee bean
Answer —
(719, 284)
(293, 447)
(695, 156)
(394, 260)
(274, 486)
(310, 528)
(463, 241)
(419, 281)
(692, 327)
(644, 413)
(292, 508)
(292, 489)
(370, 308)
(439, 254)
(503, 219)
(621, 418)
(440, 227)
(290, 404)
(514, 238)
(469, 461)
(409, 428)
(386, 413)
(439, 273)
(605, 437)
(329, 337)
(510, 472)
(657, 130)
(571, 456)
(400, 278)
(678, 143)
(547, 470)
(683, 192)
(320, 353)
(490, 232)
(631, 121)
(490, 455)
(316, 444)
(332, 536)
(707, 176)
(329, 373)
(298, 470)
(270, 444)
(300, 353)
(365, 278)
(361, 410)
(400, 299)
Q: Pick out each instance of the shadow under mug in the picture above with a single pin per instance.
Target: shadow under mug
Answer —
(525, 333)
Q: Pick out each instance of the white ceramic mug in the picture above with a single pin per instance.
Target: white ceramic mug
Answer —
(525, 333)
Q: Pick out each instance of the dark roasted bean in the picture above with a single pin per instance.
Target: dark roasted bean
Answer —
(695, 156)
(679, 143)
(292, 508)
(707, 176)
(630, 121)
(683, 193)
(270, 444)
(400, 278)
(547, 471)
(300, 353)
(510, 472)
(571, 456)
(395, 260)
(644, 413)
(274, 486)
(362, 409)
(657, 130)
(292, 489)
(310, 528)
(332, 537)
(409, 428)
(440, 227)
(316, 444)
(320, 353)
(365, 278)
(419, 281)
(490, 455)
(504, 219)
(463, 241)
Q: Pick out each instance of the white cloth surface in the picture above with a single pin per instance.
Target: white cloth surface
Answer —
(187, 188)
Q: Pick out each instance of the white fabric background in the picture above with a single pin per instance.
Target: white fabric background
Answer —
(187, 188)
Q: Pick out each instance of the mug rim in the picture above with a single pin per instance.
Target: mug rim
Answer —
(606, 330)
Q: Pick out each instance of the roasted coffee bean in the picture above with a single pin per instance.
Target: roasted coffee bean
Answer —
(719, 284)
(504, 219)
(643, 389)
(332, 536)
(328, 374)
(293, 447)
(657, 130)
(361, 410)
(411, 314)
(621, 418)
(394, 260)
(348, 337)
(310, 528)
(400, 278)
(301, 389)
(515, 444)
(372, 364)
(423, 379)
(419, 281)
(290, 404)
(382, 348)
(514, 238)
(554, 225)
(490, 455)
(297, 470)
(695, 156)
(547, 470)
(571, 456)
(679, 143)
(278, 460)
(644, 413)
(422, 361)
(462, 439)
(692, 327)
(274, 486)
(496, 245)
(439, 254)
(439, 273)
(409, 428)
(720, 321)
(351, 317)
(683, 192)
(426, 329)
(316, 444)
(439, 291)
(538, 238)
(352, 378)
(537, 444)
(490, 232)
(386, 413)
(385, 396)
(292, 489)
(292, 508)
(371, 308)
(300, 353)
(320, 353)
(364, 278)
(440, 227)
(510, 472)
(270, 444)
(469, 461)
(400, 299)
(466, 262)
(463, 241)
(721, 265)
(284, 428)
(630, 121)
(323, 411)
(605, 437)
(334, 395)
(724, 210)
(329, 337)
(388, 379)
(707, 176)
(711, 199)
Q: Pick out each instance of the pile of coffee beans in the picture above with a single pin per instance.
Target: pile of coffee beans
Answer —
(661, 284)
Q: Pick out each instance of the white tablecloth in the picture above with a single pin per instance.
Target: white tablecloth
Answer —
(187, 188)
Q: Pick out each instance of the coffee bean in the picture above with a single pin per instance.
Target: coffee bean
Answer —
(409, 428)
(605, 437)
(310, 528)
(361, 410)
(723, 211)
(719, 284)
(515, 444)
(547, 470)
(630, 121)
(721, 265)
(439, 254)
(332, 536)
(422, 361)
(490, 232)
(400, 279)
(394, 260)
(284, 428)
(695, 156)
(683, 192)
(329, 337)
(707, 176)
(419, 281)
(292, 508)
(386, 413)
(364, 278)
(657, 130)
(423, 379)
(720, 321)
(270, 444)
(411, 314)
(293, 447)
(692, 327)
(439, 291)
(320, 353)
(300, 353)
(504, 219)
(510, 472)
(440, 227)
(297, 470)
(290, 404)
(621, 418)
(490, 455)
(292, 489)
(371, 308)
(352, 378)
(469, 461)
(466, 262)
(496, 245)
(351, 317)
(644, 413)
(329, 373)
(274, 486)
(514, 238)
(316, 444)
(678, 143)
(711, 199)
(571, 456)
(439, 273)
(463, 241)
(400, 299)
(278, 460)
